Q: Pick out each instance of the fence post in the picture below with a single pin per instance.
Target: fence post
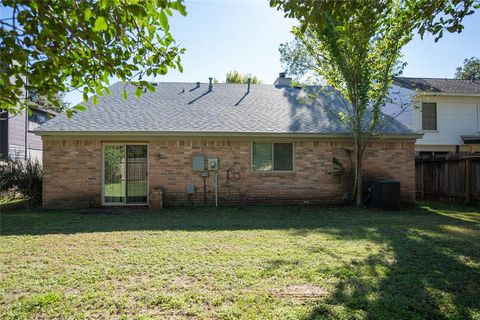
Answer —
(422, 180)
(468, 187)
(446, 177)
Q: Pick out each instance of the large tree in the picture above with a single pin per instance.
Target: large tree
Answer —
(296, 59)
(469, 70)
(55, 102)
(355, 47)
(237, 77)
(63, 45)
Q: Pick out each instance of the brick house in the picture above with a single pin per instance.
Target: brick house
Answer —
(272, 144)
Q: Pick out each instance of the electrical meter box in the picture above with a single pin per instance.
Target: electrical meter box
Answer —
(213, 164)
(198, 163)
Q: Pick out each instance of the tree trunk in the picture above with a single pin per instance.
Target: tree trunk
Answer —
(358, 174)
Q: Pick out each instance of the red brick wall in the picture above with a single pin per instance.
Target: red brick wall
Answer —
(72, 170)
(71, 173)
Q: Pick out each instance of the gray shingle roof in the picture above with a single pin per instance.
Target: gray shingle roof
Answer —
(228, 108)
(437, 85)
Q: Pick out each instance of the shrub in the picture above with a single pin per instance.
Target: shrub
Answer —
(20, 177)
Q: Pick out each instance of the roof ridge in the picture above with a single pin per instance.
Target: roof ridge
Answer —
(436, 78)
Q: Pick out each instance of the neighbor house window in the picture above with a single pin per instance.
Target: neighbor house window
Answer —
(429, 116)
(272, 157)
(35, 119)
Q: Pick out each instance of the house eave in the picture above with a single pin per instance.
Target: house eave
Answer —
(447, 94)
(217, 134)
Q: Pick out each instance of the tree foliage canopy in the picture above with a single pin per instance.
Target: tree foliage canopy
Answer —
(56, 102)
(63, 45)
(469, 70)
(237, 77)
(295, 58)
(355, 47)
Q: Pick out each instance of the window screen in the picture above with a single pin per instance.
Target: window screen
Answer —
(429, 116)
(272, 157)
(282, 159)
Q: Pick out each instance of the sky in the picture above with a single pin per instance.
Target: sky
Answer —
(244, 35)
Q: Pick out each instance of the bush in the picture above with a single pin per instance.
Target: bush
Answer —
(21, 178)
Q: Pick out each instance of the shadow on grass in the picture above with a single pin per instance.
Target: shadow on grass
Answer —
(302, 219)
(434, 272)
(344, 221)
(430, 268)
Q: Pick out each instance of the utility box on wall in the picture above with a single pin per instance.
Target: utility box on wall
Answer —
(213, 164)
(198, 163)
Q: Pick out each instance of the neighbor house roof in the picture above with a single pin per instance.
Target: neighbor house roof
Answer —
(441, 86)
(189, 108)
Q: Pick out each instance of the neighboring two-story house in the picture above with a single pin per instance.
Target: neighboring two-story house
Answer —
(17, 139)
(446, 111)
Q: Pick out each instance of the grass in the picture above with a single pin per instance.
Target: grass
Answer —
(248, 263)
(118, 189)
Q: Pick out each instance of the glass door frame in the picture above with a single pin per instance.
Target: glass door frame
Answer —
(102, 180)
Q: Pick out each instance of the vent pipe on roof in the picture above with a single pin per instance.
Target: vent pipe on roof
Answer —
(248, 84)
(210, 86)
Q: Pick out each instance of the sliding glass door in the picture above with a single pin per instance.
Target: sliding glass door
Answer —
(125, 174)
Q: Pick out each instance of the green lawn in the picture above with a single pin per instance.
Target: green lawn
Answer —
(251, 263)
(118, 189)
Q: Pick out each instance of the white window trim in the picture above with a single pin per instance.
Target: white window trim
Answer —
(273, 158)
(102, 189)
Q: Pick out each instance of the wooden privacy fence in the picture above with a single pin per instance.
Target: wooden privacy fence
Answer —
(455, 179)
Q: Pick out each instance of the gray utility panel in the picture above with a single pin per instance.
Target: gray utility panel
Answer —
(198, 163)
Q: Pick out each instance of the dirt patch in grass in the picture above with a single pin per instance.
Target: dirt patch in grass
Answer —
(300, 291)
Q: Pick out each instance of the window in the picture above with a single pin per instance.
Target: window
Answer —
(429, 116)
(272, 157)
(35, 119)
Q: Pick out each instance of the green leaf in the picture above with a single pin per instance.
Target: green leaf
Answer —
(95, 100)
(138, 92)
(150, 87)
(100, 24)
(163, 20)
(69, 113)
(80, 107)
(87, 14)
(85, 96)
(124, 95)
